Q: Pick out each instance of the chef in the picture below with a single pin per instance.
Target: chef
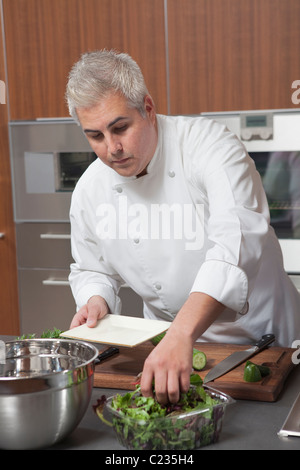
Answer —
(174, 208)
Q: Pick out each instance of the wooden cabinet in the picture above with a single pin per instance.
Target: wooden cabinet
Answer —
(232, 54)
(45, 37)
(214, 55)
(9, 306)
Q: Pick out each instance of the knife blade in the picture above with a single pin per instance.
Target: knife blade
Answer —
(237, 358)
(111, 351)
(291, 425)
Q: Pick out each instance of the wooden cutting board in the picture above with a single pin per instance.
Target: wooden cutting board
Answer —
(121, 370)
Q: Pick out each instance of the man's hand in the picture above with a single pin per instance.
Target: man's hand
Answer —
(170, 365)
(170, 362)
(94, 310)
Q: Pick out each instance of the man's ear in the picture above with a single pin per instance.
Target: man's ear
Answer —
(149, 106)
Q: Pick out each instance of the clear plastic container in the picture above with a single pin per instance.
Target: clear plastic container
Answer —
(184, 431)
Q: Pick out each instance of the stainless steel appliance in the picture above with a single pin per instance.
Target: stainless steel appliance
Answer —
(47, 159)
(272, 138)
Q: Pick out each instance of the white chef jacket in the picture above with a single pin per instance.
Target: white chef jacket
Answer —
(198, 221)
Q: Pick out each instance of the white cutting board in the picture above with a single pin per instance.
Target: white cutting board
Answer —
(119, 330)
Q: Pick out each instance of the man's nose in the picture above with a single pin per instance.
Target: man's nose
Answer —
(113, 145)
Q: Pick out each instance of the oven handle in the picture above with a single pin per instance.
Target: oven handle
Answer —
(61, 282)
(55, 282)
(55, 236)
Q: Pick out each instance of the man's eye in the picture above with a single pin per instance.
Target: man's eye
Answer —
(98, 136)
(121, 129)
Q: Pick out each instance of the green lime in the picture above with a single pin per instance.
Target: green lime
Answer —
(264, 370)
(252, 373)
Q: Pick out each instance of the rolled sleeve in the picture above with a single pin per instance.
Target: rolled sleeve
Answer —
(87, 291)
(224, 282)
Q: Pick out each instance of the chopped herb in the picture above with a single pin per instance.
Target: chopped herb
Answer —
(54, 333)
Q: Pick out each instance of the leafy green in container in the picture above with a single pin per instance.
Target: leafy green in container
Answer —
(142, 423)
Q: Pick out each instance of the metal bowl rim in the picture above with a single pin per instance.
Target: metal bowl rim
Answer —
(51, 340)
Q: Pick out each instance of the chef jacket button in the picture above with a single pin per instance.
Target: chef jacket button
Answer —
(119, 189)
(244, 309)
(171, 173)
(136, 241)
(157, 286)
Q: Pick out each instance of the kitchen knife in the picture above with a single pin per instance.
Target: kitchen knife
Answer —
(291, 425)
(106, 353)
(237, 358)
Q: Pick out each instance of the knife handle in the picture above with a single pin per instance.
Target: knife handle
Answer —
(265, 341)
(106, 353)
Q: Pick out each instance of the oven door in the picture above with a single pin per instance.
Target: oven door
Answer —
(47, 159)
(272, 139)
(278, 161)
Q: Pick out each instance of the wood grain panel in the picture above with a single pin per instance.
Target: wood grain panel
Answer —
(45, 37)
(232, 54)
(9, 308)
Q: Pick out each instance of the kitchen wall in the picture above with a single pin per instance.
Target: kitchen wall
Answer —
(196, 55)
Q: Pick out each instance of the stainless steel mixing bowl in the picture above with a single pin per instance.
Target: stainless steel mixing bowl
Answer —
(45, 389)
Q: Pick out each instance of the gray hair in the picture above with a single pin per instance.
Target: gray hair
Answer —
(100, 72)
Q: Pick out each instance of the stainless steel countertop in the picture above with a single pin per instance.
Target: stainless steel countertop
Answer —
(248, 425)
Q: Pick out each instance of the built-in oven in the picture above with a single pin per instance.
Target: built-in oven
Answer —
(272, 138)
(47, 159)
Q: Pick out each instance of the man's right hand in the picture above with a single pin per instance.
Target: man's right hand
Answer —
(90, 313)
